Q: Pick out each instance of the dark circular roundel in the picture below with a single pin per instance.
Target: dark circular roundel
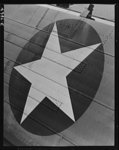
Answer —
(83, 82)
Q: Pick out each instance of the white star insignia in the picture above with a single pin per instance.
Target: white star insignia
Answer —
(48, 75)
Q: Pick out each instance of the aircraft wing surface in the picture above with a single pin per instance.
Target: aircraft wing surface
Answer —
(31, 36)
